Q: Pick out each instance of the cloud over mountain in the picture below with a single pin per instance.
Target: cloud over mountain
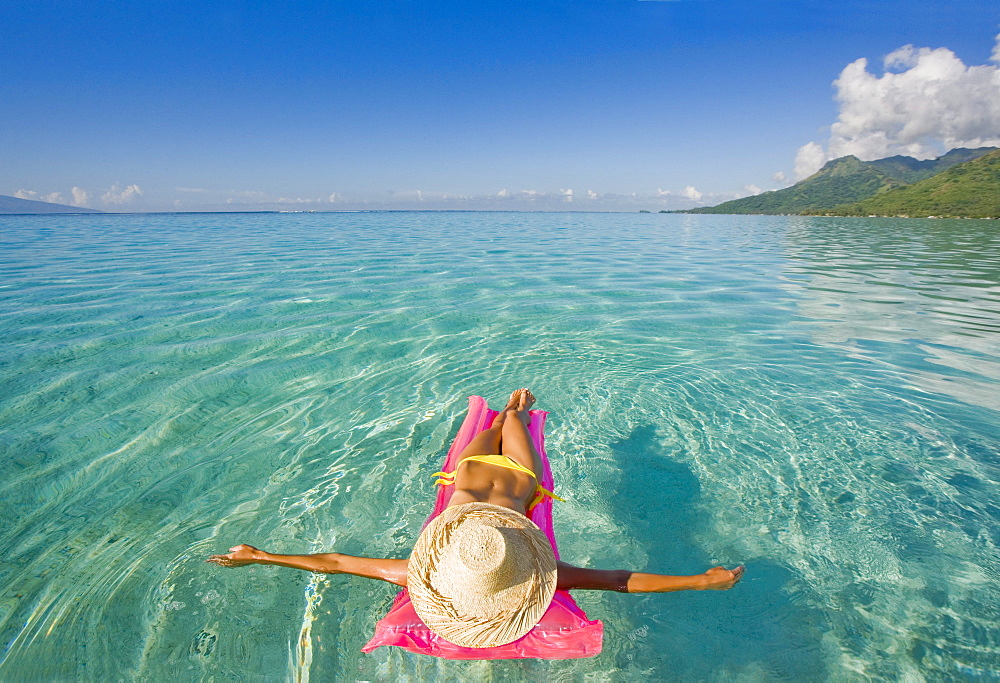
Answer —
(114, 196)
(926, 103)
(52, 197)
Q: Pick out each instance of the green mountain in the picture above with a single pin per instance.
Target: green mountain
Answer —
(911, 170)
(17, 205)
(968, 190)
(846, 180)
(843, 180)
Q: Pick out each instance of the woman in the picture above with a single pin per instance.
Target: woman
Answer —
(481, 573)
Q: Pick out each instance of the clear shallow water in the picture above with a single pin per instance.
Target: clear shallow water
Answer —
(818, 398)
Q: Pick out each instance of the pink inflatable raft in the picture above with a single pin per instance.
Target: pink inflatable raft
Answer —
(564, 632)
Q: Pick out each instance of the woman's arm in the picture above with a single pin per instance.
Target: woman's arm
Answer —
(393, 571)
(625, 581)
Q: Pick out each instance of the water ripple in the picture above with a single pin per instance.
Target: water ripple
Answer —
(816, 397)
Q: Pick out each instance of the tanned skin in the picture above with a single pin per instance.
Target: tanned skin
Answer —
(481, 482)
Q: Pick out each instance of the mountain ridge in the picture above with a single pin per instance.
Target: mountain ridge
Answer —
(846, 181)
(966, 190)
(16, 205)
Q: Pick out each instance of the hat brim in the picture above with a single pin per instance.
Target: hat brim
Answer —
(517, 609)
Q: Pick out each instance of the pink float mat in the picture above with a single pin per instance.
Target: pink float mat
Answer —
(564, 632)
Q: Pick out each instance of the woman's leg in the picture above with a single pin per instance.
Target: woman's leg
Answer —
(515, 439)
(487, 442)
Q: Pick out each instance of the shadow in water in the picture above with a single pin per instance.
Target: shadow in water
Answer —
(755, 629)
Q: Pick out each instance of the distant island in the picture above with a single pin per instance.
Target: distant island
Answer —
(17, 205)
(964, 183)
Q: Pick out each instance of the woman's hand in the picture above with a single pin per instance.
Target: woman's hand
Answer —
(721, 579)
(238, 556)
(625, 581)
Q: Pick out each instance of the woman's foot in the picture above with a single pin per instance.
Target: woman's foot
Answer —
(525, 399)
(514, 401)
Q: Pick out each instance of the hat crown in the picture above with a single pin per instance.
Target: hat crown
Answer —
(482, 547)
(487, 559)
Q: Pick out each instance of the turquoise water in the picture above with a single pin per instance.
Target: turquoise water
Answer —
(817, 398)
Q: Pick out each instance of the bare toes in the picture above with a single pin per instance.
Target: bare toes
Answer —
(527, 399)
(515, 397)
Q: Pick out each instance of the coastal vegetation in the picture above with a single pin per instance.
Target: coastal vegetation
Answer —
(969, 190)
(965, 184)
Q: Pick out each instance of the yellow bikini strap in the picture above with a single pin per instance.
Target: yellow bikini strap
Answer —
(540, 494)
(446, 478)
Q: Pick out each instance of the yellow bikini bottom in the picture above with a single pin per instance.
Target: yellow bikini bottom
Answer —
(447, 478)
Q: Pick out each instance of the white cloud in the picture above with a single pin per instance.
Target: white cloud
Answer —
(190, 189)
(779, 177)
(752, 189)
(809, 159)
(297, 200)
(936, 103)
(51, 197)
(248, 196)
(118, 194)
(532, 196)
(506, 199)
(926, 103)
(80, 196)
(691, 193)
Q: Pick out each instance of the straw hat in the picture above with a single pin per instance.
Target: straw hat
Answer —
(481, 575)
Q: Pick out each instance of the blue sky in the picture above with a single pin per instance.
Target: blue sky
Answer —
(605, 104)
